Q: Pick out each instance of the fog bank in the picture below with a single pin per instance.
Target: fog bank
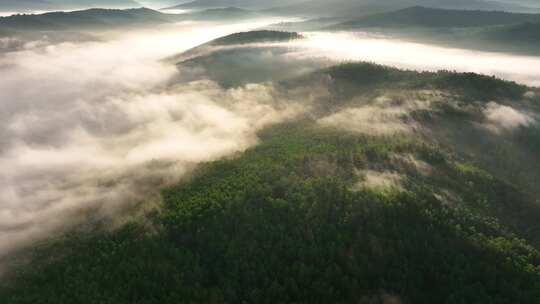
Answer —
(417, 56)
(88, 129)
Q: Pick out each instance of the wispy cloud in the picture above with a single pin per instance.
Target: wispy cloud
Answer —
(500, 117)
(86, 129)
(418, 56)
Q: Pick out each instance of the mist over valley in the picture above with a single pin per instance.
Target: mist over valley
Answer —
(269, 151)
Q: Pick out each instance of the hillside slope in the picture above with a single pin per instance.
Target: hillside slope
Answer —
(429, 17)
(394, 187)
(113, 18)
(91, 18)
(355, 8)
(256, 37)
(481, 30)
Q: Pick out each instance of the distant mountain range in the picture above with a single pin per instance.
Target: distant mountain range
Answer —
(517, 33)
(256, 37)
(158, 4)
(487, 30)
(33, 5)
(429, 17)
(248, 4)
(111, 18)
(85, 19)
(339, 8)
(391, 186)
(221, 14)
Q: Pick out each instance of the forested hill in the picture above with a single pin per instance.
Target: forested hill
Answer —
(479, 30)
(518, 34)
(91, 18)
(255, 37)
(355, 8)
(246, 4)
(429, 17)
(110, 18)
(235, 40)
(220, 14)
(397, 188)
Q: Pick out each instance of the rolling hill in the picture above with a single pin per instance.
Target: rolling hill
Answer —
(520, 33)
(235, 59)
(92, 18)
(113, 18)
(354, 8)
(482, 30)
(396, 186)
(225, 13)
(429, 17)
(256, 37)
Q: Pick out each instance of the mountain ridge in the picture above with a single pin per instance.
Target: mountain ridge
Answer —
(305, 204)
(433, 17)
(99, 18)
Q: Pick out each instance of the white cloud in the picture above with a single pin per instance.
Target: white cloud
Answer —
(529, 95)
(378, 179)
(385, 115)
(500, 117)
(87, 129)
(417, 56)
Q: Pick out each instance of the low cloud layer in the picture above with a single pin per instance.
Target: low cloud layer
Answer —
(86, 129)
(330, 47)
(385, 115)
(418, 56)
(89, 128)
(500, 117)
(380, 180)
